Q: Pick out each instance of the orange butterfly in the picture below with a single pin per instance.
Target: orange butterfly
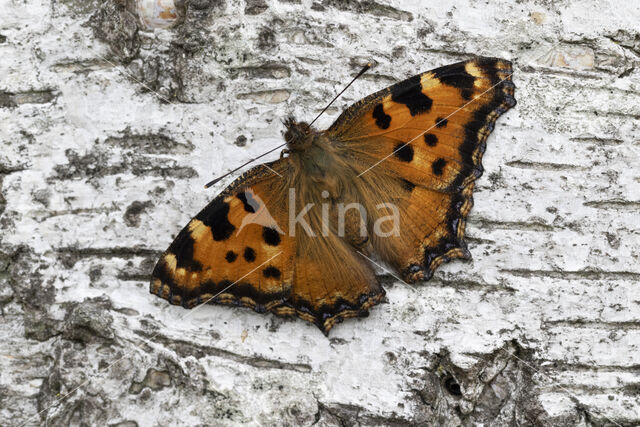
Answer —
(393, 176)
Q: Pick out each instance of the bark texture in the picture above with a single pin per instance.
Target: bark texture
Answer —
(109, 129)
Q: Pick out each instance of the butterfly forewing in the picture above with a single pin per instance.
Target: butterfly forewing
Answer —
(429, 133)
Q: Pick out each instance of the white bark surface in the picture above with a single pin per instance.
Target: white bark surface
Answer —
(98, 174)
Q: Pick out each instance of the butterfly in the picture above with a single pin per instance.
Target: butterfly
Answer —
(392, 177)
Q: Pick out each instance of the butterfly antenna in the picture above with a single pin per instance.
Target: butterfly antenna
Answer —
(218, 179)
(364, 70)
(209, 184)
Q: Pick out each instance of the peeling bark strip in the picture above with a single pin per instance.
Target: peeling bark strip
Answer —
(96, 173)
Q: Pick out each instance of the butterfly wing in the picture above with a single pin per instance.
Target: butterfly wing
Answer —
(238, 251)
(428, 134)
(232, 252)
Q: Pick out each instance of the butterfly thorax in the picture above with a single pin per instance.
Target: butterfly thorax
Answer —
(317, 165)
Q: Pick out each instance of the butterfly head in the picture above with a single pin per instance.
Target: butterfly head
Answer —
(298, 135)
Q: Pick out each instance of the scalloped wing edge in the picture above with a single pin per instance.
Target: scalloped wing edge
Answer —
(460, 206)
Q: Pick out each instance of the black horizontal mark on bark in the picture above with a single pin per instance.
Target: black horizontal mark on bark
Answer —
(597, 140)
(80, 67)
(10, 99)
(100, 162)
(620, 114)
(370, 8)
(479, 241)
(134, 277)
(595, 324)
(185, 349)
(573, 275)
(613, 204)
(113, 252)
(7, 169)
(388, 280)
(487, 224)
(264, 71)
(78, 211)
(561, 366)
(544, 166)
(349, 414)
(593, 390)
(473, 285)
(152, 143)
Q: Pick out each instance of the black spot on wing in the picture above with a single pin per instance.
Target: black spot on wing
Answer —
(271, 272)
(409, 93)
(270, 236)
(215, 216)
(249, 254)
(440, 122)
(456, 76)
(430, 139)
(408, 185)
(231, 256)
(403, 152)
(382, 119)
(242, 196)
(182, 248)
(438, 166)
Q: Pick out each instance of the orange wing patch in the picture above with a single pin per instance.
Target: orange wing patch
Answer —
(332, 282)
(233, 251)
(238, 251)
(431, 231)
(429, 133)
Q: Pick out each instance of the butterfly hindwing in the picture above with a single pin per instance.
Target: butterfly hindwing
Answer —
(332, 282)
(429, 133)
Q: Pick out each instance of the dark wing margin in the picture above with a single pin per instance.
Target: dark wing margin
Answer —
(472, 149)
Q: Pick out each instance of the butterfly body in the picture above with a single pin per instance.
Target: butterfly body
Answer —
(317, 160)
(393, 176)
